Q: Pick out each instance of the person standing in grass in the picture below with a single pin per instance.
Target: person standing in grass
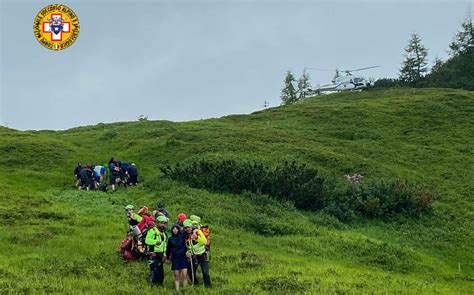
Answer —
(147, 219)
(114, 173)
(133, 218)
(161, 210)
(156, 240)
(196, 246)
(176, 252)
(181, 218)
(85, 178)
(77, 174)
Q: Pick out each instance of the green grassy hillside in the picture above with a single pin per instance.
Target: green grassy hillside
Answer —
(56, 239)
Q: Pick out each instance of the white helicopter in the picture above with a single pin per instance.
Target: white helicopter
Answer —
(344, 81)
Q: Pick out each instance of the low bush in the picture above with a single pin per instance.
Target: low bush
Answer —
(306, 188)
(388, 198)
(303, 186)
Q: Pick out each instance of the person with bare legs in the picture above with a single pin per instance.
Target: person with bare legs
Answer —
(176, 252)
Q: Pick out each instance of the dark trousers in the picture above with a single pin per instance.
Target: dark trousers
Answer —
(85, 182)
(201, 260)
(133, 179)
(157, 275)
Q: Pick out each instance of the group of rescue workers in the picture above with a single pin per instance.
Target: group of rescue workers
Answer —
(186, 245)
(94, 177)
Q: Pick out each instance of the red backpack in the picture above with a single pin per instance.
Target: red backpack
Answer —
(126, 247)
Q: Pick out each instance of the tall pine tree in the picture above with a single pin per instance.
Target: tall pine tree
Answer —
(437, 64)
(288, 93)
(464, 39)
(458, 70)
(415, 64)
(303, 85)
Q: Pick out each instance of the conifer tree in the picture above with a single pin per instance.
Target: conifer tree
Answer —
(464, 39)
(415, 64)
(288, 93)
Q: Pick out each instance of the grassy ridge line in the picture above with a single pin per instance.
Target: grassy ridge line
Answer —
(381, 134)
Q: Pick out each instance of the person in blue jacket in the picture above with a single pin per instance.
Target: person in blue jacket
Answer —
(77, 173)
(132, 174)
(86, 177)
(176, 252)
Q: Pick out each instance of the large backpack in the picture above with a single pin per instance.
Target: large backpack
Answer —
(142, 247)
(126, 249)
(207, 233)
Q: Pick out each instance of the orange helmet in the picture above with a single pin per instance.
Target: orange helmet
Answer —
(143, 210)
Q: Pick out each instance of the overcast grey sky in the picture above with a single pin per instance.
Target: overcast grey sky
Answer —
(186, 60)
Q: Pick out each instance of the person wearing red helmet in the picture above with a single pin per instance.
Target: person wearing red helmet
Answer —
(181, 218)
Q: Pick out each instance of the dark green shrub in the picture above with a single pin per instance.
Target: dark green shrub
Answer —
(387, 198)
(341, 207)
(306, 188)
(303, 186)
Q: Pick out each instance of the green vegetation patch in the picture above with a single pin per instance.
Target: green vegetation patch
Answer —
(307, 188)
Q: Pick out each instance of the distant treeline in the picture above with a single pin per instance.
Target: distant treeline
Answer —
(456, 72)
(306, 187)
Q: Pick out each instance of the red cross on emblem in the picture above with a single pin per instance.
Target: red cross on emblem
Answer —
(53, 35)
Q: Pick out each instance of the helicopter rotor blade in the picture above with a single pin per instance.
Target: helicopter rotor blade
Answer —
(361, 69)
(317, 69)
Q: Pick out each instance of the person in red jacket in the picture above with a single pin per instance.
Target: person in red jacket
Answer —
(147, 220)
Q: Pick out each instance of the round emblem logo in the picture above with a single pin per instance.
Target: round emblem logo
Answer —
(56, 27)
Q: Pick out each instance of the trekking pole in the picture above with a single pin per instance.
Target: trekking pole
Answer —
(192, 271)
(191, 259)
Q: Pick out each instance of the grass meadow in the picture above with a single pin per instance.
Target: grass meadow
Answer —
(55, 239)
